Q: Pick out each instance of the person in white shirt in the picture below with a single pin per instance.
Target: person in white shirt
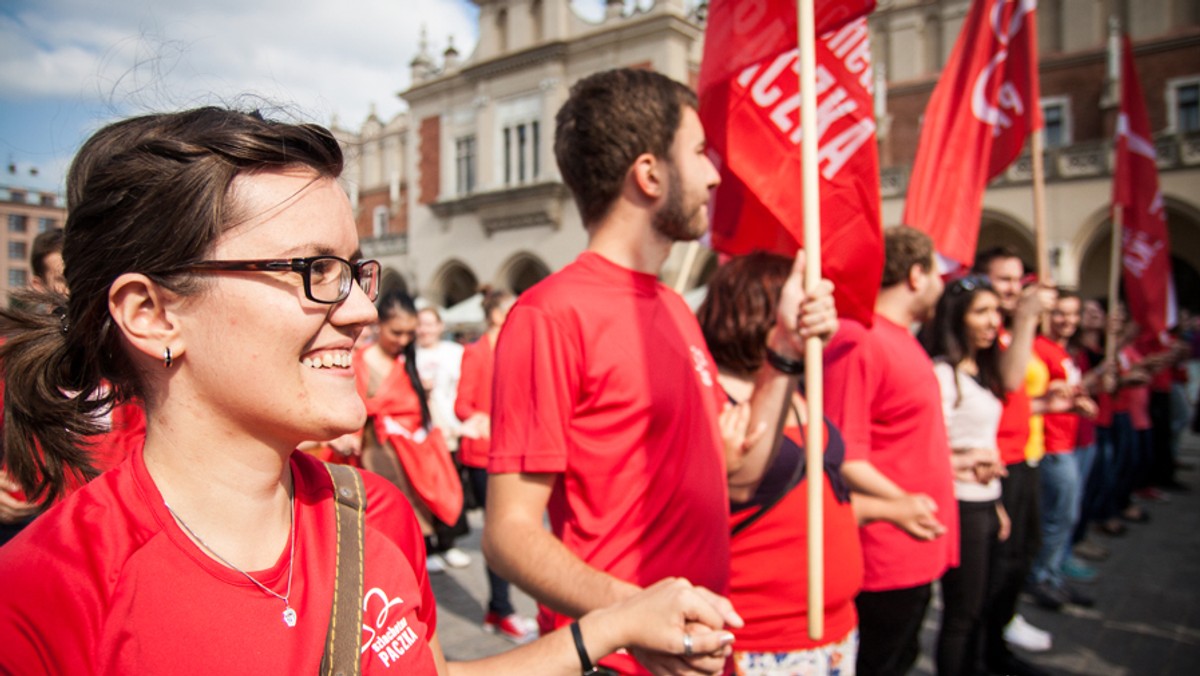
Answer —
(439, 363)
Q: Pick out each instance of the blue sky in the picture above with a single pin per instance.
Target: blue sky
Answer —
(67, 67)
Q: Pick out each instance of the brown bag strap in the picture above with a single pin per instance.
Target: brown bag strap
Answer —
(342, 646)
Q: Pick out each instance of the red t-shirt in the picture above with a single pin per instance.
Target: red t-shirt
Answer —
(881, 392)
(1013, 433)
(1062, 429)
(1136, 398)
(602, 376)
(475, 396)
(106, 582)
(1086, 434)
(769, 581)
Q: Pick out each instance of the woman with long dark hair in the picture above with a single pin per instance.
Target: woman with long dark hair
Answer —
(769, 508)
(210, 258)
(400, 441)
(962, 341)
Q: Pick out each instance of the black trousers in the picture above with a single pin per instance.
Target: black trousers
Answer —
(1014, 560)
(965, 589)
(889, 629)
(1162, 462)
(499, 601)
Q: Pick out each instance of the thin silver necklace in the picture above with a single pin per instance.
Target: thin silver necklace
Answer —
(289, 615)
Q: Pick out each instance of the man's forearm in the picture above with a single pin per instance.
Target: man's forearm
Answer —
(530, 557)
(863, 478)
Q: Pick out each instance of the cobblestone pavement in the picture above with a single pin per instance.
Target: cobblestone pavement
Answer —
(1146, 619)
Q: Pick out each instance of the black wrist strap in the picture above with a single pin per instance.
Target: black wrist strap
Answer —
(791, 367)
(586, 662)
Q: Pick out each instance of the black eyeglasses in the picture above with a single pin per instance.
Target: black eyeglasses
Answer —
(969, 283)
(327, 279)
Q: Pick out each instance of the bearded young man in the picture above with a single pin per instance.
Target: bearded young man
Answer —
(606, 407)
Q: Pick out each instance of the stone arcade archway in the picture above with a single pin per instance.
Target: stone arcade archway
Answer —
(1183, 230)
(522, 271)
(453, 283)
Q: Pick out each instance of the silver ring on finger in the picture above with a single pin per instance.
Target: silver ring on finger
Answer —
(687, 644)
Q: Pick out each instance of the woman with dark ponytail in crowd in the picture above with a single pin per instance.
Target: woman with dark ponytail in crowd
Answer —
(210, 258)
(473, 406)
(966, 359)
(400, 441)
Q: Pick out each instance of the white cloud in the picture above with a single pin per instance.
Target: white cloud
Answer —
(134, 55)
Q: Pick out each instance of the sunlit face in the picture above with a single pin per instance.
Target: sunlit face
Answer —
(1093, 316)
(397, 331)
(1065, 318)
(691, 177)
(429, 328)
(982, 320)
(54, 279)
(1005, 275)
(256, 354)
(928, 293)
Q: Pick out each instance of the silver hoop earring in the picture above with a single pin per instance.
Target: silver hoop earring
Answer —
(167, 361)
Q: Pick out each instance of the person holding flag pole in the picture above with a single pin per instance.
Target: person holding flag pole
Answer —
(759, 89)
(606, 408)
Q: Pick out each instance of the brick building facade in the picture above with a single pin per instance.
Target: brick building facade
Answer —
(488, 205)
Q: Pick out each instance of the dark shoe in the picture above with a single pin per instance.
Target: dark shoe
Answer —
(1078, 598)
(1135, 514)
(1047, 596)
(1011, 665)
(1112, 528)
(1091, 551)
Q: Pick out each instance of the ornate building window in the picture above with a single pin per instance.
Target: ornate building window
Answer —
(379, 222)
(464, 164)
(1183, 104)
(1056, 113)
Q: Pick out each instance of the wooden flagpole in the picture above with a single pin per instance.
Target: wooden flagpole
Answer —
(1039, 213)
(1114, 285)
(1039, 206)
(813, 367)
(1118, 215)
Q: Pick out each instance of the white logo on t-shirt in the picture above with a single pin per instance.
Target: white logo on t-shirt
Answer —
(391, 645)
(701, 363)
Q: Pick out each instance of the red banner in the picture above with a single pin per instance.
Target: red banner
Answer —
(983, 108)
(750, 106)
(1145, 249)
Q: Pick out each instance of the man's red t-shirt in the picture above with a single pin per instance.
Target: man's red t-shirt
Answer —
(475, 396)
(1062, 429)
(602, 376)
(881, 392)
(106, 582)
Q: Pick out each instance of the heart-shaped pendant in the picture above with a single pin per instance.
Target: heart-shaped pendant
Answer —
(289, 617)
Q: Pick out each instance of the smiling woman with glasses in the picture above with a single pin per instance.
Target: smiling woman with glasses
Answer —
(327, 279)
(215, 528)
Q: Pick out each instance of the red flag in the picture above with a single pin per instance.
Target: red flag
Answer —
(983, 108)
(750, 106)
(1145, 250)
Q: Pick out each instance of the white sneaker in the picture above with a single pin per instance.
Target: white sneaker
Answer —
(433, 564)
(456, 558)
(1026, 636)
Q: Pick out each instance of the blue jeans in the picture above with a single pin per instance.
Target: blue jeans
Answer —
(1085, 460)
(1060, 510)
